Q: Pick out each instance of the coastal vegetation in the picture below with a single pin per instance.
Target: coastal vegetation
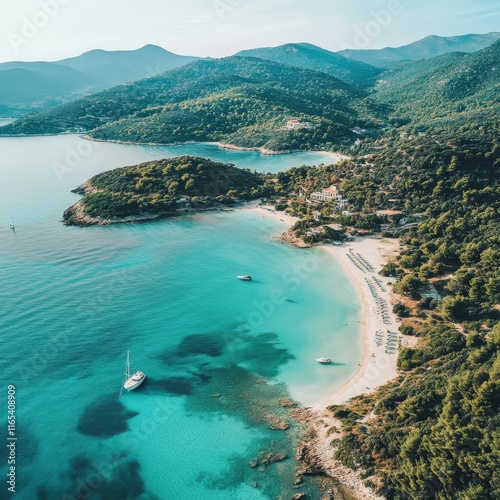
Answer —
(159, 188)
(430, 177)
(242, 101)
(434, 433)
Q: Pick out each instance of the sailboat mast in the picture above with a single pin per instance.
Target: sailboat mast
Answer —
(127, 366)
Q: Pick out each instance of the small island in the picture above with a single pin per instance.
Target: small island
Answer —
(161, 188)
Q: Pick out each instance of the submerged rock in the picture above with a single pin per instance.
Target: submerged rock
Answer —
(286, 403)
(277, 424)
(267, 458)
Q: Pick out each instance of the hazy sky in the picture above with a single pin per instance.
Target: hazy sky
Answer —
(54, 29)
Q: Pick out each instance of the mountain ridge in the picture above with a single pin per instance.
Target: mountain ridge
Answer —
(451, 88)
(309, 56)
(425, 48)
(49, 84)
(68, 79)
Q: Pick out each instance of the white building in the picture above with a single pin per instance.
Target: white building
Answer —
(294, 124)
(331, 193)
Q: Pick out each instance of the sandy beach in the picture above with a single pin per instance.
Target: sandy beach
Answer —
(362, 259)
(335, 156)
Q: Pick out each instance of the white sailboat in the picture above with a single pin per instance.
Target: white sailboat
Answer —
(11, 225)
(132, 381)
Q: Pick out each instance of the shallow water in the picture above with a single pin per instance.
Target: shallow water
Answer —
(218, 352)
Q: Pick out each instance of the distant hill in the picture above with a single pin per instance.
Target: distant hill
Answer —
(27, 87)
(122, 66)
(242, 101)
(453, 90)
(21, 82)
(305, 55)
(430, 46)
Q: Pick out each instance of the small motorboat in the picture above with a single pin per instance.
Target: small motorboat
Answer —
(245, 277)
(324, 361)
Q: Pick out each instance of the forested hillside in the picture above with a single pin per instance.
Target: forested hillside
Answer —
(435, 432)
(244, 101)
(305, 55)
(450, 92)
(159, 188)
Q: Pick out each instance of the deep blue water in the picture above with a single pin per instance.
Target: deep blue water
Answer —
(218, 352)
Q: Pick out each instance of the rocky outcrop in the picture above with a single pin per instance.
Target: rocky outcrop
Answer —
(267, 458)
(290, 238)
(310, 463)
(76, 216)
(277, 424)
(287, 403)
(316, 458)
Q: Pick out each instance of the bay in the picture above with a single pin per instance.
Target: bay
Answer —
(218, 352)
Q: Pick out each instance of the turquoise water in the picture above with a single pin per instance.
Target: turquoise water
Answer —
(218, 352)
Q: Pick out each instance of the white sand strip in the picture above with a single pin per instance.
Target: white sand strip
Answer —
(362, 259)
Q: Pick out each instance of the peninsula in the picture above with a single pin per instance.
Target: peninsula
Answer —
(161, 188)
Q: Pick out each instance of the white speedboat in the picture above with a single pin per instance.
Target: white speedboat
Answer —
(132, 381)
(245, 277)
(324, 361)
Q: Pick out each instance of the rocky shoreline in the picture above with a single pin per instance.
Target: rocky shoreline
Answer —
(76, 216)
(222, 145)
(316, 457)
(290, 238)
(132, 143)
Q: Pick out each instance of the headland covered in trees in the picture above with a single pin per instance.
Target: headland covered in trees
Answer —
(161, 188)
